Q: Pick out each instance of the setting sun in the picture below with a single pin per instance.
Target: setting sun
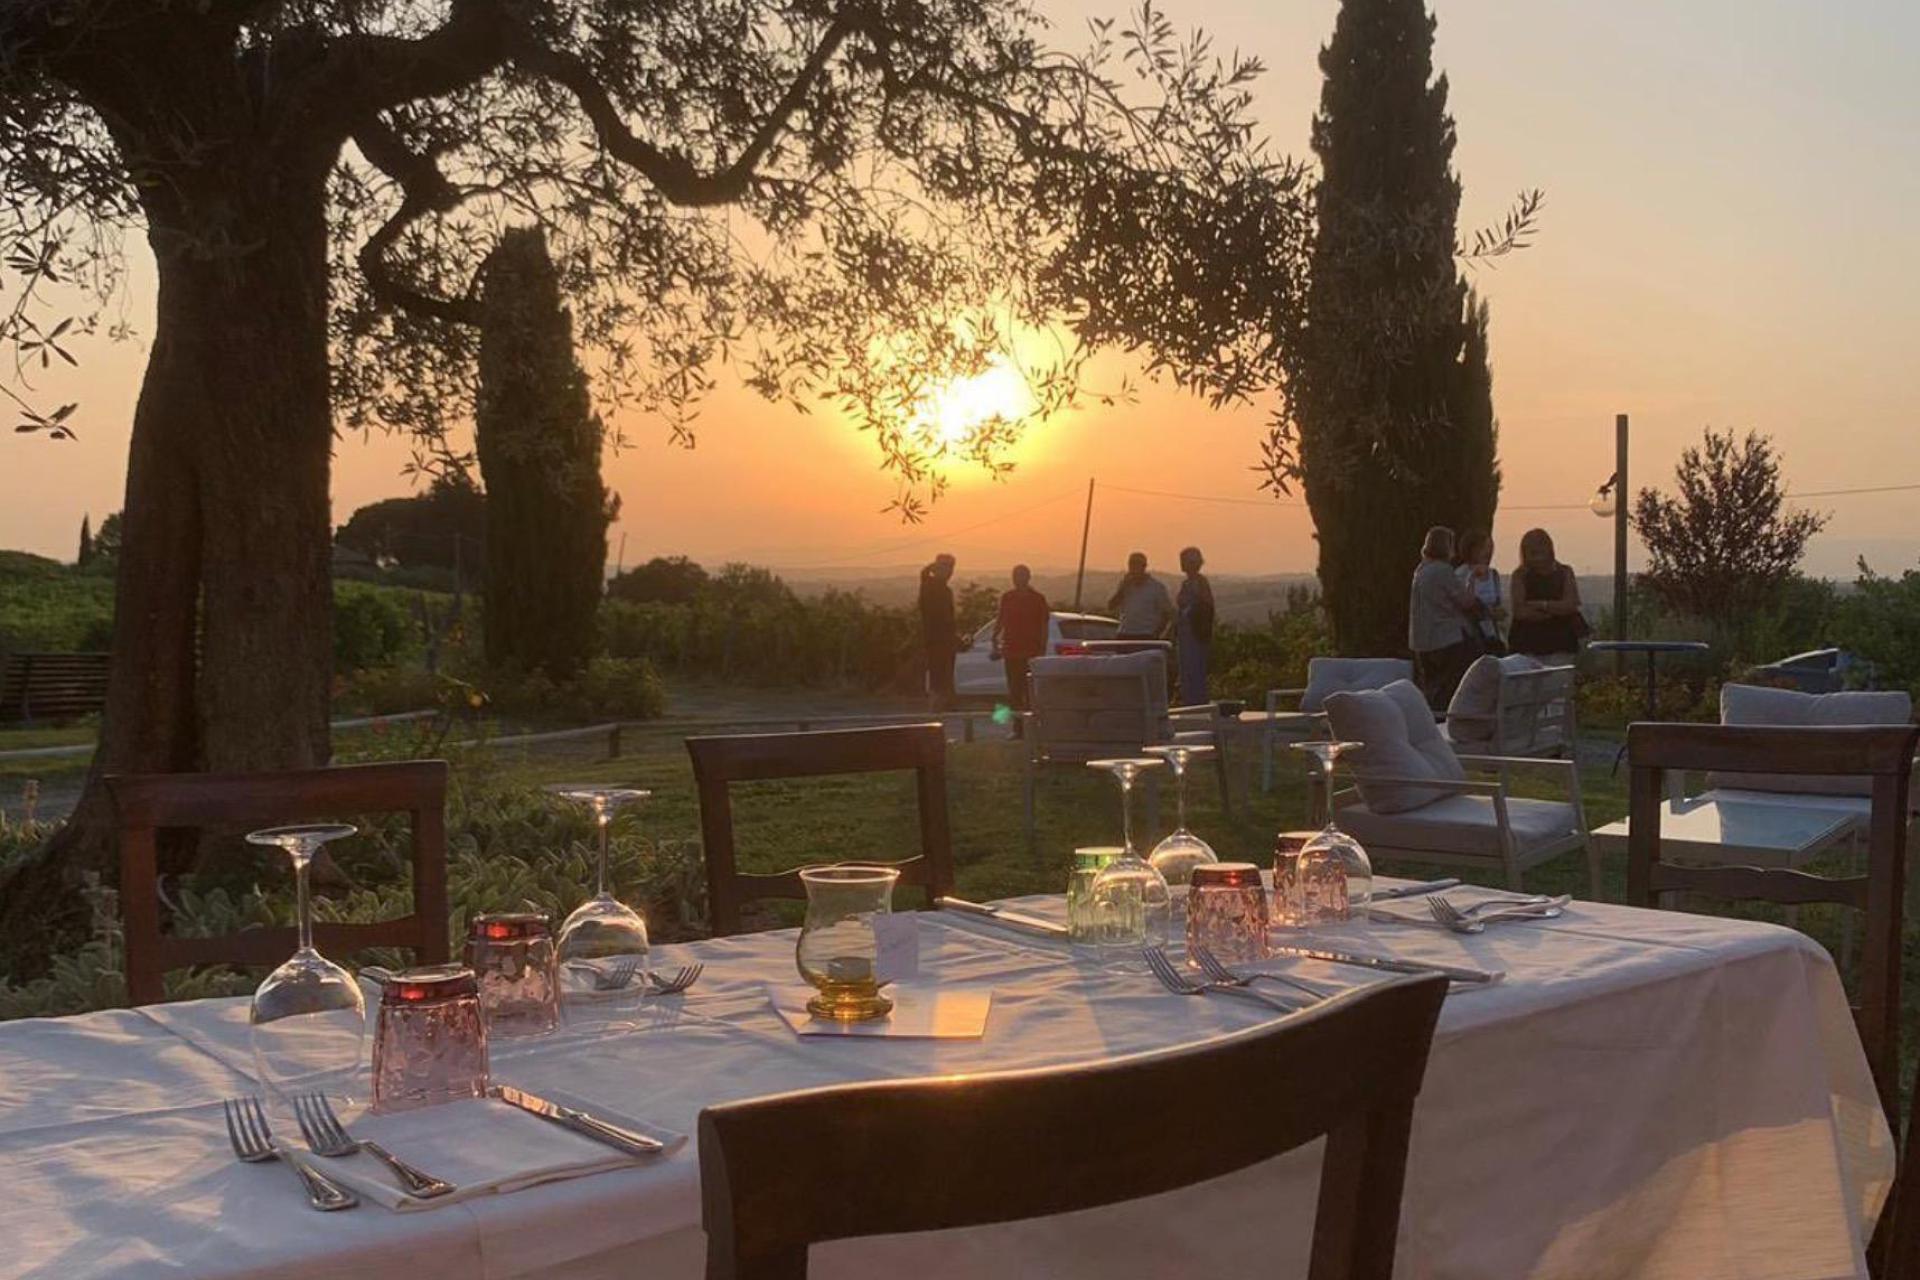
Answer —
(953, 414)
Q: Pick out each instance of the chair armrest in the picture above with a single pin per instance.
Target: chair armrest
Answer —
(1466, 786)
(1274, 697)
(1543, 763)
(1198, 708)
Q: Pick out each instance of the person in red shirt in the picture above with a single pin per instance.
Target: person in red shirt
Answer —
(1020, 633)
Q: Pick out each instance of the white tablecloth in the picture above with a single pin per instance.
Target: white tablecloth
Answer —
(1647, 1095)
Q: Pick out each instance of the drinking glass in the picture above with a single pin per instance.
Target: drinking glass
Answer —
(1289, 906)
(1088, 862)
(603, 938)
(1129, 905)
(308, 1020)
(838, 950)
(511, 954)
(1335, 874)
(430, 1040)
(1227, 912)
(1176, 856)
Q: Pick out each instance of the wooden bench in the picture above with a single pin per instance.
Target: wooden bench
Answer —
(52, 686)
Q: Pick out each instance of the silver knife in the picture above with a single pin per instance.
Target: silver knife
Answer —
(1416, 890)
(580, 1122)
(1015, 919)
(1386, 963)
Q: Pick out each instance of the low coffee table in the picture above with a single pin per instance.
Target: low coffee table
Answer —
(1714, 832)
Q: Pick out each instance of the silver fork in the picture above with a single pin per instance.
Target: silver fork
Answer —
(617, 976)
(1211, 966)
(328, 1137)
(688, 975)
(252, 1142)
(1180, 984)
(1476, 918)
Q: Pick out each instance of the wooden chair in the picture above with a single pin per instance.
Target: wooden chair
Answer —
(780, 1174)
(147, 803)
(722, 760)
(1883, 753)
(1896, 1240)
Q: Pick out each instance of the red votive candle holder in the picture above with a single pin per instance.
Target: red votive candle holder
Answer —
(1227, 912)
(429, 1039)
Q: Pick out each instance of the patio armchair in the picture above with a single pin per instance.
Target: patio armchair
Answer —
(1308, 719)
(1412, 797)
(1089, 707)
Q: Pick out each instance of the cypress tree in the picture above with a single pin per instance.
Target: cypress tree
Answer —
(86, 539)
(538, 443)
(1391, 389)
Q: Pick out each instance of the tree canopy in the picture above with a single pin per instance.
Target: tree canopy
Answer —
(1725, 541)
(855, 201)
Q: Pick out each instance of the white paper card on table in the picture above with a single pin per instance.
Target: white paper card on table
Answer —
(919, 1012)
(898, 934)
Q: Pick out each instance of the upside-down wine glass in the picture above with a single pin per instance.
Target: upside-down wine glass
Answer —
(604, 938)
(1336, 876)
(1129, 906)
(1176, 856)
(308, 1020)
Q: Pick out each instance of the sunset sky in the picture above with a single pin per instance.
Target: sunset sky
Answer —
(1729, 239)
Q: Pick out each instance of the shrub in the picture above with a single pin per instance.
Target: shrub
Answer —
(1880, 620)
(371, 628)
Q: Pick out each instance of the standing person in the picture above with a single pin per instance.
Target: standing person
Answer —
(1020, 634)
(1193, 627)
(1442, 617)
(1547, 622)
(938, 633)
(1141, 603)
(1475, 567)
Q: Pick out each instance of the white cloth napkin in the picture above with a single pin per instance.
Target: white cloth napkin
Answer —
(483, 1146)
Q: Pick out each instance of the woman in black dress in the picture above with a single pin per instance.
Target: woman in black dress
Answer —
(1547, 623)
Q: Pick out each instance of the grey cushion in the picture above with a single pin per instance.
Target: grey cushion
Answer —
(1748, 704)
(1477, 697)
(1399, 739)
(1344, 675)
(1461, 824)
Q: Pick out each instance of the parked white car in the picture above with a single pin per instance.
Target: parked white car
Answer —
(979, 671)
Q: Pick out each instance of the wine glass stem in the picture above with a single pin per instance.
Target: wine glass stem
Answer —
(1180, 793)
(302, 902)
(1126, 813)
(605, 819)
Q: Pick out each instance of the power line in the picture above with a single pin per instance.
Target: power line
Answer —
(931, 539)
(1505, 506)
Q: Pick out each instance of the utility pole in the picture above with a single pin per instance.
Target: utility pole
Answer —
(1620, 499)
(1086, 527)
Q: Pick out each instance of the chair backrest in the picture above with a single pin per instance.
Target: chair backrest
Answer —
(1349, 675)
(1882, 753)
(1746, 704)
(779, 1174)
(149, 803)
(719, 761)
(1534, 715)
(1085, 707)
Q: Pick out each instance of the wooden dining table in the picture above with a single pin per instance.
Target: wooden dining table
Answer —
(1647, 1095)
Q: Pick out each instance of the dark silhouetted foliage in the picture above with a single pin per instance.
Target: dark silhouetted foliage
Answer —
(439, 529)
(538, 442)
(662, 580)
(1391, 394)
